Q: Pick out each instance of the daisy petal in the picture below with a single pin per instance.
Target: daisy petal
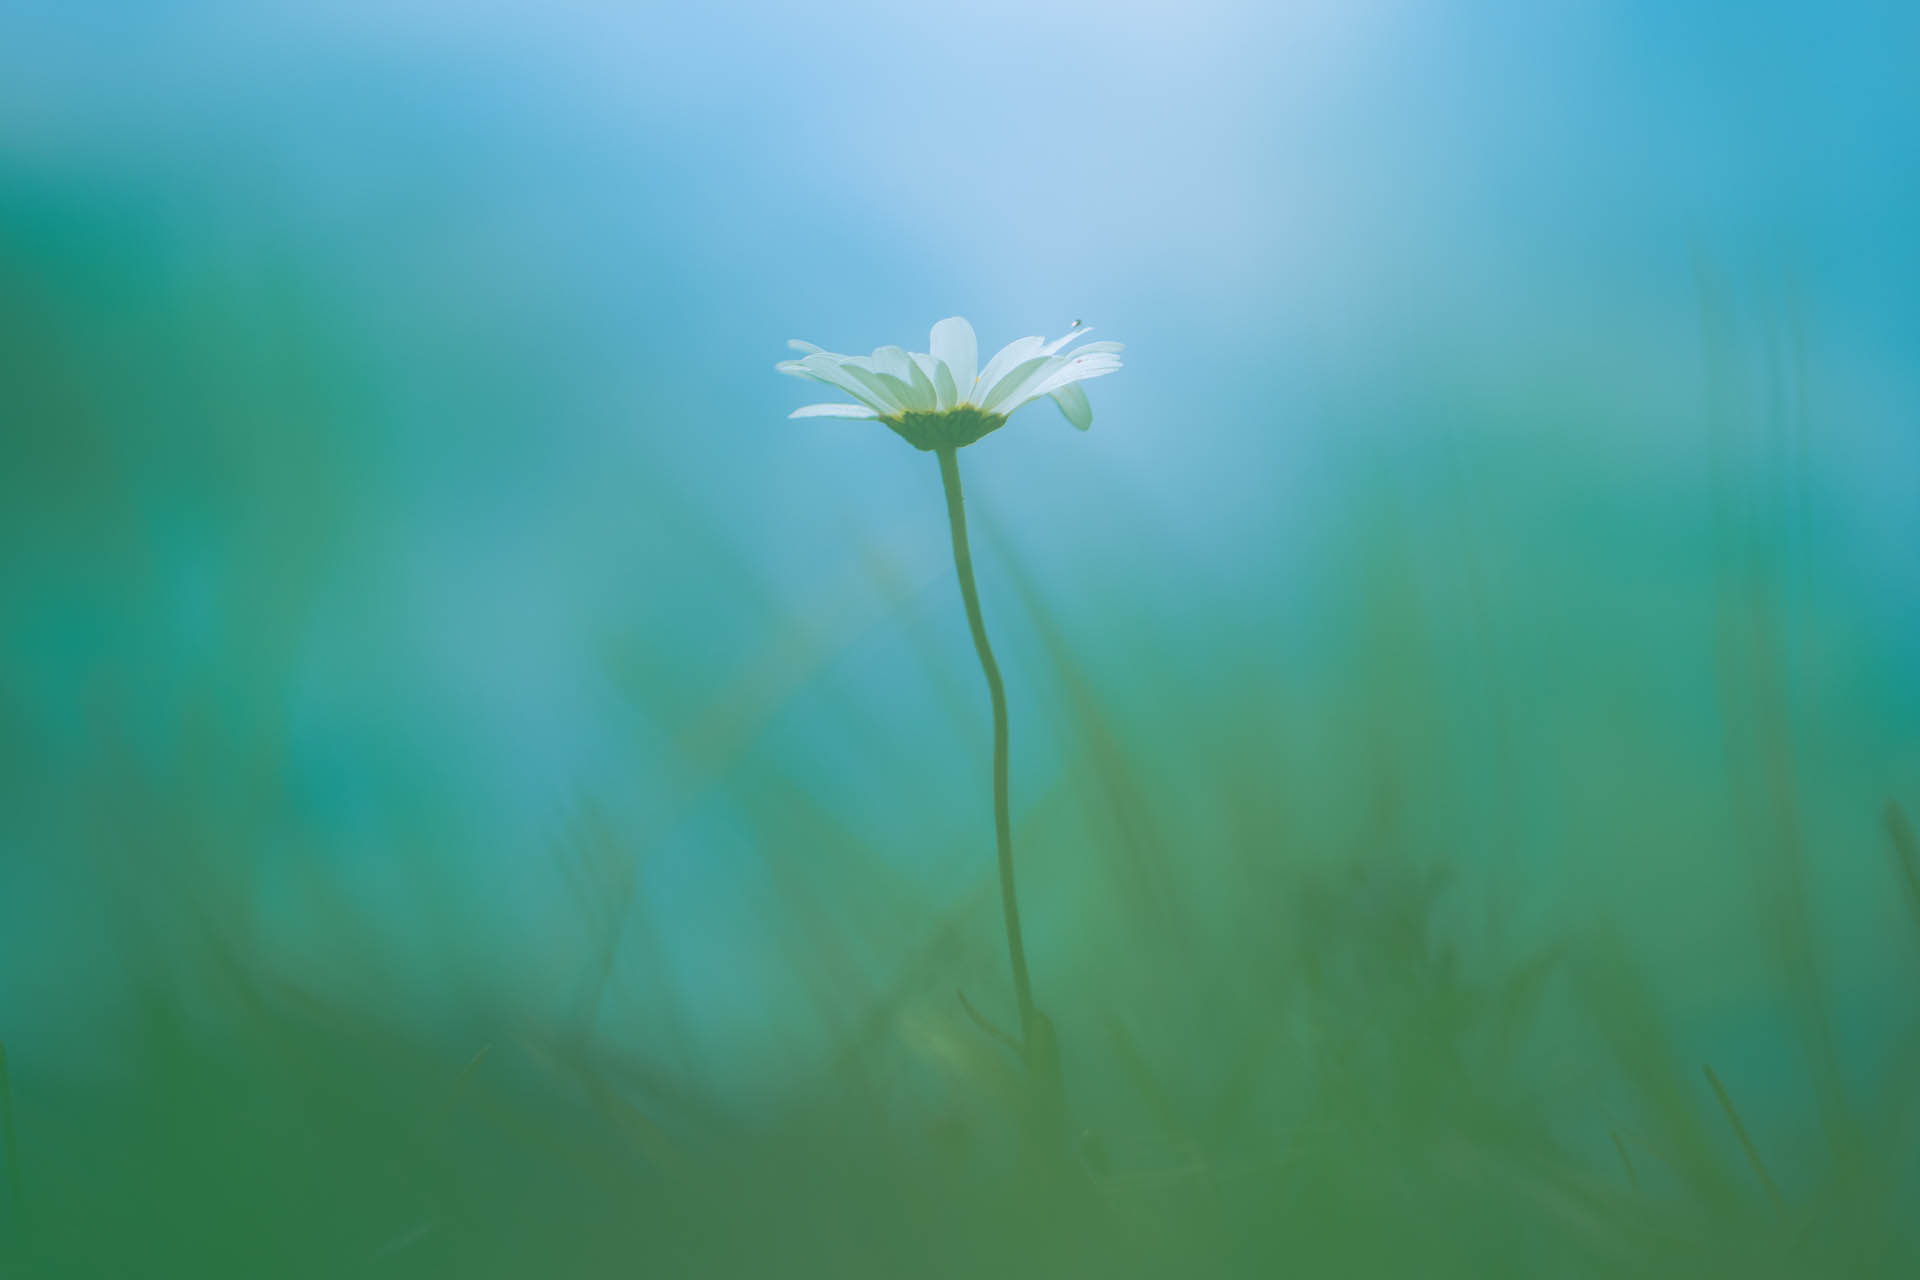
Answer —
(953, 344)
(906, 393)
(1075, 370)
(889, 393)
(937, 377)
(1010, 390)
(1058, 371)
(1098, 348)
(1004, 360)
(841, 372)
(1073, 335)
(892, 393)
(797, 369)
(807, 347)
(1073, 403)
(943, 386)
(897, 374)
(925, 397)
(891, 361)
(833, 411)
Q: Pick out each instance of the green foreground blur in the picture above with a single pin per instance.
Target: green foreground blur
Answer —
(1521, 887)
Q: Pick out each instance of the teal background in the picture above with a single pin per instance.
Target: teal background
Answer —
(413, 597)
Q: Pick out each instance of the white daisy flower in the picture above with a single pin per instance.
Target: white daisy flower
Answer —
(942, 399)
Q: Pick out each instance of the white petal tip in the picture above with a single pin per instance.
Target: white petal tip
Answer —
(1073, 406)
(833, 411)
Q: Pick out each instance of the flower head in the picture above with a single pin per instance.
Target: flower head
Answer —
(941, 398)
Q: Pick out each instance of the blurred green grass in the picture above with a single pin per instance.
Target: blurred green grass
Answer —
(1325, 889)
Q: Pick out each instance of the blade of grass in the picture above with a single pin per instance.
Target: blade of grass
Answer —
(1753, 472)
(1619, 1002)
(981, 1021)
(1904, 848)
(1746, 1140)
(1139, 846)
(1626, 1161)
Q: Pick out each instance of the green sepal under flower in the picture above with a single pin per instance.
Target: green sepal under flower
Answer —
(951, 429)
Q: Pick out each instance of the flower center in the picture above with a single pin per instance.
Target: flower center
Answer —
(949, 430)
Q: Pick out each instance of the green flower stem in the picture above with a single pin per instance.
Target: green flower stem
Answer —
(1002, 820)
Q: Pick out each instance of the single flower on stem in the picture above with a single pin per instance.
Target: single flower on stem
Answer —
(942, 399)
(939, 401)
